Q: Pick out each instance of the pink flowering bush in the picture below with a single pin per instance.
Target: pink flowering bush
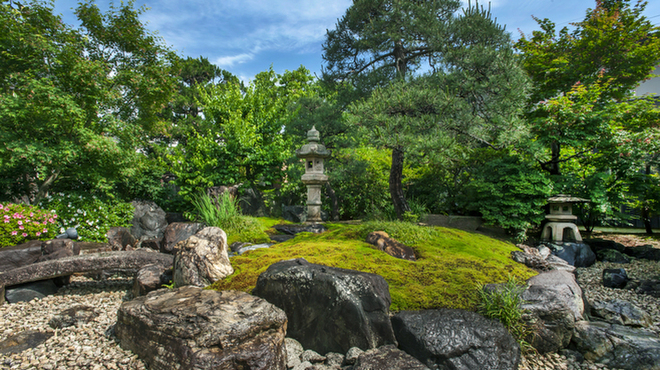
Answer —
(20, 223)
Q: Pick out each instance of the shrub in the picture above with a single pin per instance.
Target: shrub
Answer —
(504, 304)
(92, 216)
(21, 223)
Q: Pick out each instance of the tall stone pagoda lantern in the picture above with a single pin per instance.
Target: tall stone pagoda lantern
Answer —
(313, 153)
(561, 225)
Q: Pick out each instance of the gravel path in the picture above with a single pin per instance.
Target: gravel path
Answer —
(89, 346)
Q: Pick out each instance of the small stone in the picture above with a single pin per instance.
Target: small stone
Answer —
(352, 355)
(311, 356)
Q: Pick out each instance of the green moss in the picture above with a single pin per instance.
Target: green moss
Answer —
(452, 262)
(252, 229)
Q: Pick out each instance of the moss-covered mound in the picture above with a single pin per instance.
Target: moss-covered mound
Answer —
(452, 263)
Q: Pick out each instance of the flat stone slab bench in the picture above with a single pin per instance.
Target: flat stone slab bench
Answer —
(85, 263)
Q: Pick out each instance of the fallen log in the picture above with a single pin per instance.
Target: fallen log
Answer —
(85, 263)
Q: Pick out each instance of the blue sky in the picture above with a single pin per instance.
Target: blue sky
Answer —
(246, 37)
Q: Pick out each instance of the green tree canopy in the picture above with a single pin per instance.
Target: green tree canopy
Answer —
(75, 105)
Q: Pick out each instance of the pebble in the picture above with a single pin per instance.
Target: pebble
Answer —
(85, 346)
(91, 346)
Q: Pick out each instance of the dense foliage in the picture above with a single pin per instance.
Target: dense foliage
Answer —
(90, 215)
(75, 105)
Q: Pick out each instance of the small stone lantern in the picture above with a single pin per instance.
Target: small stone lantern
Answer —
(313, 153)
(561, 226)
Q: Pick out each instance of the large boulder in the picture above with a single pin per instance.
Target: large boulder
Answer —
(598, 244)
(58, 248)
(611, 255)
(121, 239)
(151, 277)
(29, 291)
(202, 258)
(620, 312)
(149, 220)
(576, 254)
(617, 346)
(329, 309)
(20, 255)
(387, 358)
(643, 251)
(193, 328)
(456, 339)
(177, 232)
(554, 301)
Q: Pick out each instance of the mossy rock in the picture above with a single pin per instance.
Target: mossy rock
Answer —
(451, 265)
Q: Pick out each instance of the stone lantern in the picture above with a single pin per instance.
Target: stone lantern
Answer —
(313, 153)
(561, 225)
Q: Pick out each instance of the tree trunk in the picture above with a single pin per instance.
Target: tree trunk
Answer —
(646, 216)
(396, 188)
(333, 201)
(555, 147)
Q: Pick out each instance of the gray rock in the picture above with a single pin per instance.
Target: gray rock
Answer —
(304, 366)
(151, 277)
(554, 301)
(75, 315)
(576, 254)
(643, 251)
(29, 291)
(20, 255)
(293, 351)
(202, 258)
(311, 356)
(294, 213)
(649, 287)
(352, 355)
(621, 312)
(329, 309)
(18, 343)
(289, 229)
(598, 244)
(281, 238)
(121, 239)
(334, 359)
(611, 255)
(149, 220)
(387, 358)
(203, 329)
(557, 263)
(177, 232)
(617, 346)
(615, 278)
(252, 247)
(456, 339)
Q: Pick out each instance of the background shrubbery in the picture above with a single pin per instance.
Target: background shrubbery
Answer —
(92, 216)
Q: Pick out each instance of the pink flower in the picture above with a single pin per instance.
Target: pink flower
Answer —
(54, 216)
(45, 230)
(1, 207)
(6, 220)
(21, 227)
(38, 233)
(14, 232)
(24, 235)
(20, 222)
(45, 222)
(31, 214)
(6, 217)
(49, 220)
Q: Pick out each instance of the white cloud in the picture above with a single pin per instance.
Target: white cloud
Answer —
(230, 61)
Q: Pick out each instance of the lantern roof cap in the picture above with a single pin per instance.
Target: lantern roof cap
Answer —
(313, 148)
(564, 198)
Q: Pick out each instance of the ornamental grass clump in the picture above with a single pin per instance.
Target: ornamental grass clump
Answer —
(90, 215)
(224, 213)
(21, 223)
(504, 303)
